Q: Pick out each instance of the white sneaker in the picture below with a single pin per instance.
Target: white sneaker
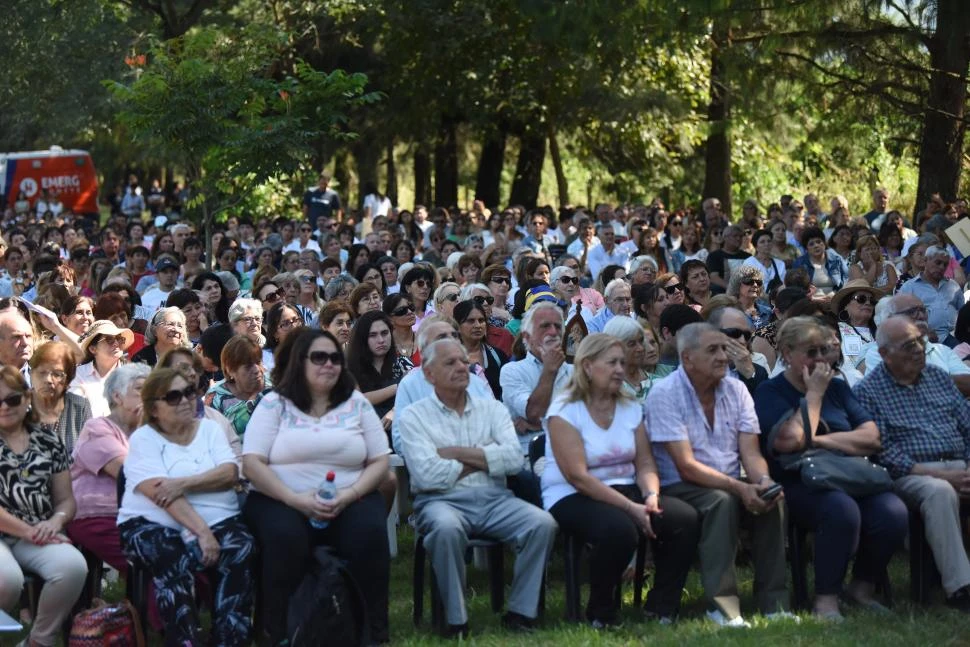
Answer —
(718, 618)
(785, 616)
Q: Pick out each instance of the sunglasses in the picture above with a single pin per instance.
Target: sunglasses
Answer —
(403, 310)
(480, 300)
(569, 279)
(863, 299)
(272, 296)
(308, 279)
(421, 283)
(816, 352)
(174, 397)
(757, 282)
(676, 223)
(13, 400)
(451, 297)
(912, 312)
(671, 289)
(501, 279)
(738, 333)
(321, 357)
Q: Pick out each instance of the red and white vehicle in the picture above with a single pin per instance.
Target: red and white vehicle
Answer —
(68, 173)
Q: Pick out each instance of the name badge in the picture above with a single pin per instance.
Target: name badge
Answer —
(852, 344)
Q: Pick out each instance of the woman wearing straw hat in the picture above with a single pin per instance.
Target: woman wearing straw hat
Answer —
(104, 346)
(855, 305)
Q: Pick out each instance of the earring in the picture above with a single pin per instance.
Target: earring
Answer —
(844, 316)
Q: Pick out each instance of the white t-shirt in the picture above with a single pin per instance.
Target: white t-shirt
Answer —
(151, 455)
(302, 448)
(154, 298)
(610, 453)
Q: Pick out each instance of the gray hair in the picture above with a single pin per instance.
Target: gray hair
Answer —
(565, 257)
(557, 273)
(241, 305)
(743, 272)
(613, 286)
(530, 315)
(229, 281)
(625, 329)
(150, 336)
(643, 260)
(439, 294)
(121, 379)
(936, 250)
(337, 284)
(885, 308)
(424, 334)
(882, 333)
(430, 354)
(715, 316)
(466, 292)
(689, 337)
(179, 226)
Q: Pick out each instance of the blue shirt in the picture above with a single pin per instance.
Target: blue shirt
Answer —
(835, 267)
(942, 302)
(924, 422)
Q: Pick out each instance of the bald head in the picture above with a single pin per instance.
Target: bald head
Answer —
(903, 348)
(16, 340)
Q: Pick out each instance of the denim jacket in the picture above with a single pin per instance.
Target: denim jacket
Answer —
(835, 265)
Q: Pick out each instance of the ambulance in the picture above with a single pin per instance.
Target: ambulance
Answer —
(68, 173)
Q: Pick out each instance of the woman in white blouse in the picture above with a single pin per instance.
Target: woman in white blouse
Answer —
(104, 346)
(312, 424)
(601, 484)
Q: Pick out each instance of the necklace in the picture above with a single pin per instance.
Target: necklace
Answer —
(21, 458)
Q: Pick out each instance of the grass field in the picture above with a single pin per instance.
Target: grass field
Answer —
(908, 625)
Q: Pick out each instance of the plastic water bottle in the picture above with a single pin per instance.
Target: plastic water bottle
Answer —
(191, 542)
(326, 492)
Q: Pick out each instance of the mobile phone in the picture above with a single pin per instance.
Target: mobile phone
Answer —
(771, 493)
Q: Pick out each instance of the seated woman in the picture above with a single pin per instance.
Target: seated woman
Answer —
(827, 270)
(747, 285)
(180, 514)
(486, 360)
(373, 360)
(642, 356)
(855, 305)
(55, 409)
(104, 346)
(166, 331)
(601, 484)
(33, 514)
(871, 266)
(98, 456)
(872, 528)
(281, 320)
(312, 423)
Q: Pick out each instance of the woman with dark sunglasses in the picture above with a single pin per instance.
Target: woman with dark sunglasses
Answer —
(418, 285)
(855, 305)
(315, 422)
(671, 284)
(398, 307)
(180, 513)
(747, 286)
(38, 502)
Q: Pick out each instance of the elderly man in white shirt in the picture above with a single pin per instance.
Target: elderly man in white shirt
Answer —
(459, 450)
(529, 384)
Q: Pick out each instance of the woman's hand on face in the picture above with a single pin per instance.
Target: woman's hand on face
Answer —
(210, 548)
(818, 380)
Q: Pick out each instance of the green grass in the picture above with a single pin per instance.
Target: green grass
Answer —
(908, 625)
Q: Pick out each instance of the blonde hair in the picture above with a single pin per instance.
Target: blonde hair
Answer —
(579, 387)
(797, 330)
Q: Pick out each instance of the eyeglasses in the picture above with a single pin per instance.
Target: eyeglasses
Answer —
(569, 279)
(112, 339)
(815, 352)
(501, 279)
(174, 397)
(272, 296)
(451, 297)
(421, 283)
(749, 281)
(671, 289)
(249, 320)
(913, 345)
(13, 400)
(171, 324)
(307, 279)
(59, 376)
(403, 310)
(286, 324)
(912, 312)
(481, 300)
(738, 333)
(863, 299)
(321, 357)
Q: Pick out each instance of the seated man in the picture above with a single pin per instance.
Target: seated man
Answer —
(703, 428)
(925, 425)
(939, 355)
(619, 302)
(459, 450)
(745, 364)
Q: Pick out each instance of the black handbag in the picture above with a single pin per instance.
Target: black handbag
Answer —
(826, 469)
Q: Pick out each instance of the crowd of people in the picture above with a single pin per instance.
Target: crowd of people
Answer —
(666, 358)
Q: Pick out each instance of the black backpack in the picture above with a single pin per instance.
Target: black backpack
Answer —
(328, 607)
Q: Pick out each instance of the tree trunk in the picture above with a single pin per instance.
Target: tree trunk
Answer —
(561, 185)
(528, 170)
(446, 165)
(341, 180)
(489, 180)
(391, 190)
(422, 177)
(717, 151)
(941, 147)
(367, 158)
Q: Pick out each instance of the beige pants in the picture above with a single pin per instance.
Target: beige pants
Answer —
(63, 569)
(939, 504)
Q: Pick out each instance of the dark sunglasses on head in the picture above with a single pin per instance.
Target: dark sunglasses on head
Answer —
(480, 300)
(174, 397)
(321, 357)
(863, 299)
(569, 279)
(13, 400)
(738, 333)
(750, 281)
(501, 279)
(671, 289)
(403, 310)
